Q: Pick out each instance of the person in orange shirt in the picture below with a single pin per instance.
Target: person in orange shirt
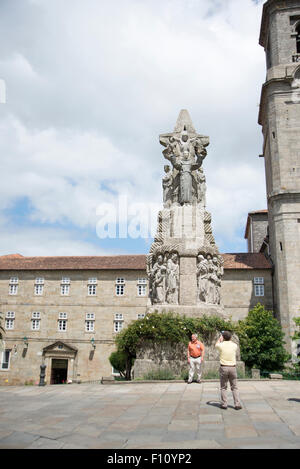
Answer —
(195, 355)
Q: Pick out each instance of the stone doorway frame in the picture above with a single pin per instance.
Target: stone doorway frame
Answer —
(60, 351)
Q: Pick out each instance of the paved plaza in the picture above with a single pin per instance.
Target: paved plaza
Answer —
(151, 415)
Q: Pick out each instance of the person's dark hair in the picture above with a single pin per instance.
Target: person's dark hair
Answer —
(226, 335)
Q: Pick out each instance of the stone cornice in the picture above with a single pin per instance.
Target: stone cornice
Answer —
(287, 79)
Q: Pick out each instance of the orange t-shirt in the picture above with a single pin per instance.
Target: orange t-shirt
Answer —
(195, 349)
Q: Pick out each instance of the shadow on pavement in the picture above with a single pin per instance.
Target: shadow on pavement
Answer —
(217, 404)
(294, 399)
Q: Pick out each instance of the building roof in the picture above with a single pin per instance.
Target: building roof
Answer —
(126, 262)
(246, 260)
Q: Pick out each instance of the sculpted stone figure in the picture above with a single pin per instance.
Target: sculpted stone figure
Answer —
(211, 288)
(186, 155)
(158, 280)
(167, 183)
(220, 273)
(172, 280)
(202, 278)
(185, 167)
(215, 280)
(200, 189)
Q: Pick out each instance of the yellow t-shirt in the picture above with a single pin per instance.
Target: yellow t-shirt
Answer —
(227, 351)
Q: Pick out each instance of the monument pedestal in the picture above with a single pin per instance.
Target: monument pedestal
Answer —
(153, 357)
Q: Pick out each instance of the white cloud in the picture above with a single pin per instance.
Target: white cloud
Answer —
(90, 85)
(37, 241)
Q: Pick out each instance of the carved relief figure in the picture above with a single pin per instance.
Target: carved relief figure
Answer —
(210, 289)
(200, 189)
(172, 280)
(167, 183)
(158, 281)
(209, 275)
(202, 278)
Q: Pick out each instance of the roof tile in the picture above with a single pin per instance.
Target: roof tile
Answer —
(124, 262)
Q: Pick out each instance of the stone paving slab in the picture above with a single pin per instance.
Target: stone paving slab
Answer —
(150, 416)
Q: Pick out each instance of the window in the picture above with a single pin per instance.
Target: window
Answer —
(39, 286)
(62, 321)
(268, 53)
(5, 359)
(298, 39)
(91, 290)
(14, 281)
(9, 324)
(90, 316)
(118, 322)
(89, 326)
(10, 320)
(259, 280)
(259, 287)
(13, 289)
(35, 321)
(13, 286)
(120, 286)
(92, 285)
(142, 288)
(141, 316)
(35, 324)
(120, 281)
(64, 290)
(65, 286)
(92, 281)
(115, 372)
(89, 322)
(62, 325)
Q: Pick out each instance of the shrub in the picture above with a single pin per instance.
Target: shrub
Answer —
(118, 360)
(296, 336)
(261, 340)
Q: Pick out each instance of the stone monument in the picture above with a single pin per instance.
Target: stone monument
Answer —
(184, 265)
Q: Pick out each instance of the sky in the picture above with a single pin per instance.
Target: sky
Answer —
(87, 87)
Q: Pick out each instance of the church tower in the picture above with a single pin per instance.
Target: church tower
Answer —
(280, 120)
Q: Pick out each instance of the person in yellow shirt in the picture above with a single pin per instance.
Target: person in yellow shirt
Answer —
(227, 350)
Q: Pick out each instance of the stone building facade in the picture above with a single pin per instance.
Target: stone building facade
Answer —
(65, 312)
(279, 117)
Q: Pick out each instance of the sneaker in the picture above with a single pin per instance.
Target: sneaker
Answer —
(189, 382)
(238, 407)
(199, 381)
(224, 407)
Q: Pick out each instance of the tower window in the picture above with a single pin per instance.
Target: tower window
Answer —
(298, 39)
